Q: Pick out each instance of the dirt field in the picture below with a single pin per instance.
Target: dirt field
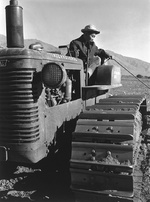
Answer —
(31, 184)
(132, 86)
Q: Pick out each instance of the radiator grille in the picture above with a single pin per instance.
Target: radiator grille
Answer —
(19, 119)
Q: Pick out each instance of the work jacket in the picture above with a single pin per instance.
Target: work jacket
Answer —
(80, 49)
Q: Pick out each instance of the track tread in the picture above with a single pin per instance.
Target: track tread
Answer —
(118, 113)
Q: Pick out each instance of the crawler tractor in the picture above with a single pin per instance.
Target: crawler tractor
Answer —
(45, 100)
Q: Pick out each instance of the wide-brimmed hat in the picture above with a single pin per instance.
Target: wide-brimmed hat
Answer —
(90, 28)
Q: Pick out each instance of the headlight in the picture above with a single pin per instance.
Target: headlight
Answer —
(53, 75)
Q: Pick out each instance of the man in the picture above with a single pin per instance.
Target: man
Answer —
(85, 48)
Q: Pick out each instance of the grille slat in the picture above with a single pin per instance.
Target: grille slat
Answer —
(10, 113)
(27, 133)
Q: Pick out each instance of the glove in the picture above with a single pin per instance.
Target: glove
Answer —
(107, 56)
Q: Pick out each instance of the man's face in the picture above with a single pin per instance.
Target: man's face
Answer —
(89, 36)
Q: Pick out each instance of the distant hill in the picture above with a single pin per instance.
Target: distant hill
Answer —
(2, 40)
(134, 65)
(27, 42)
(47, 47)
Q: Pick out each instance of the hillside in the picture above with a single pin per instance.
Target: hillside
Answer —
(2, 40)
(27, 42)
(134, 65)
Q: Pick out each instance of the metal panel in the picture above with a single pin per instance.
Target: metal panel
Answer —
(106, 196)
(109, 127)
(93, 180)
(118, 153)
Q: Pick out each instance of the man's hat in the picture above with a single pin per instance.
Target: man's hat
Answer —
(90, 28)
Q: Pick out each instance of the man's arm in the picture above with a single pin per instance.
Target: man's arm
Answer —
(73, 50)
(103, 55)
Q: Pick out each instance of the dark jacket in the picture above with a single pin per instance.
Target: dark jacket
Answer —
(80, 49)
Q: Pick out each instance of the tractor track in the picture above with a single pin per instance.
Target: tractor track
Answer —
(48, 183)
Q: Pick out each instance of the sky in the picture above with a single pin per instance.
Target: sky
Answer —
(124, 24)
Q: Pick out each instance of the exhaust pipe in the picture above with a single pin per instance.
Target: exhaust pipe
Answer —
(14, 25)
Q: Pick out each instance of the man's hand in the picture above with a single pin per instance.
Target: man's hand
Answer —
(107, 56)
